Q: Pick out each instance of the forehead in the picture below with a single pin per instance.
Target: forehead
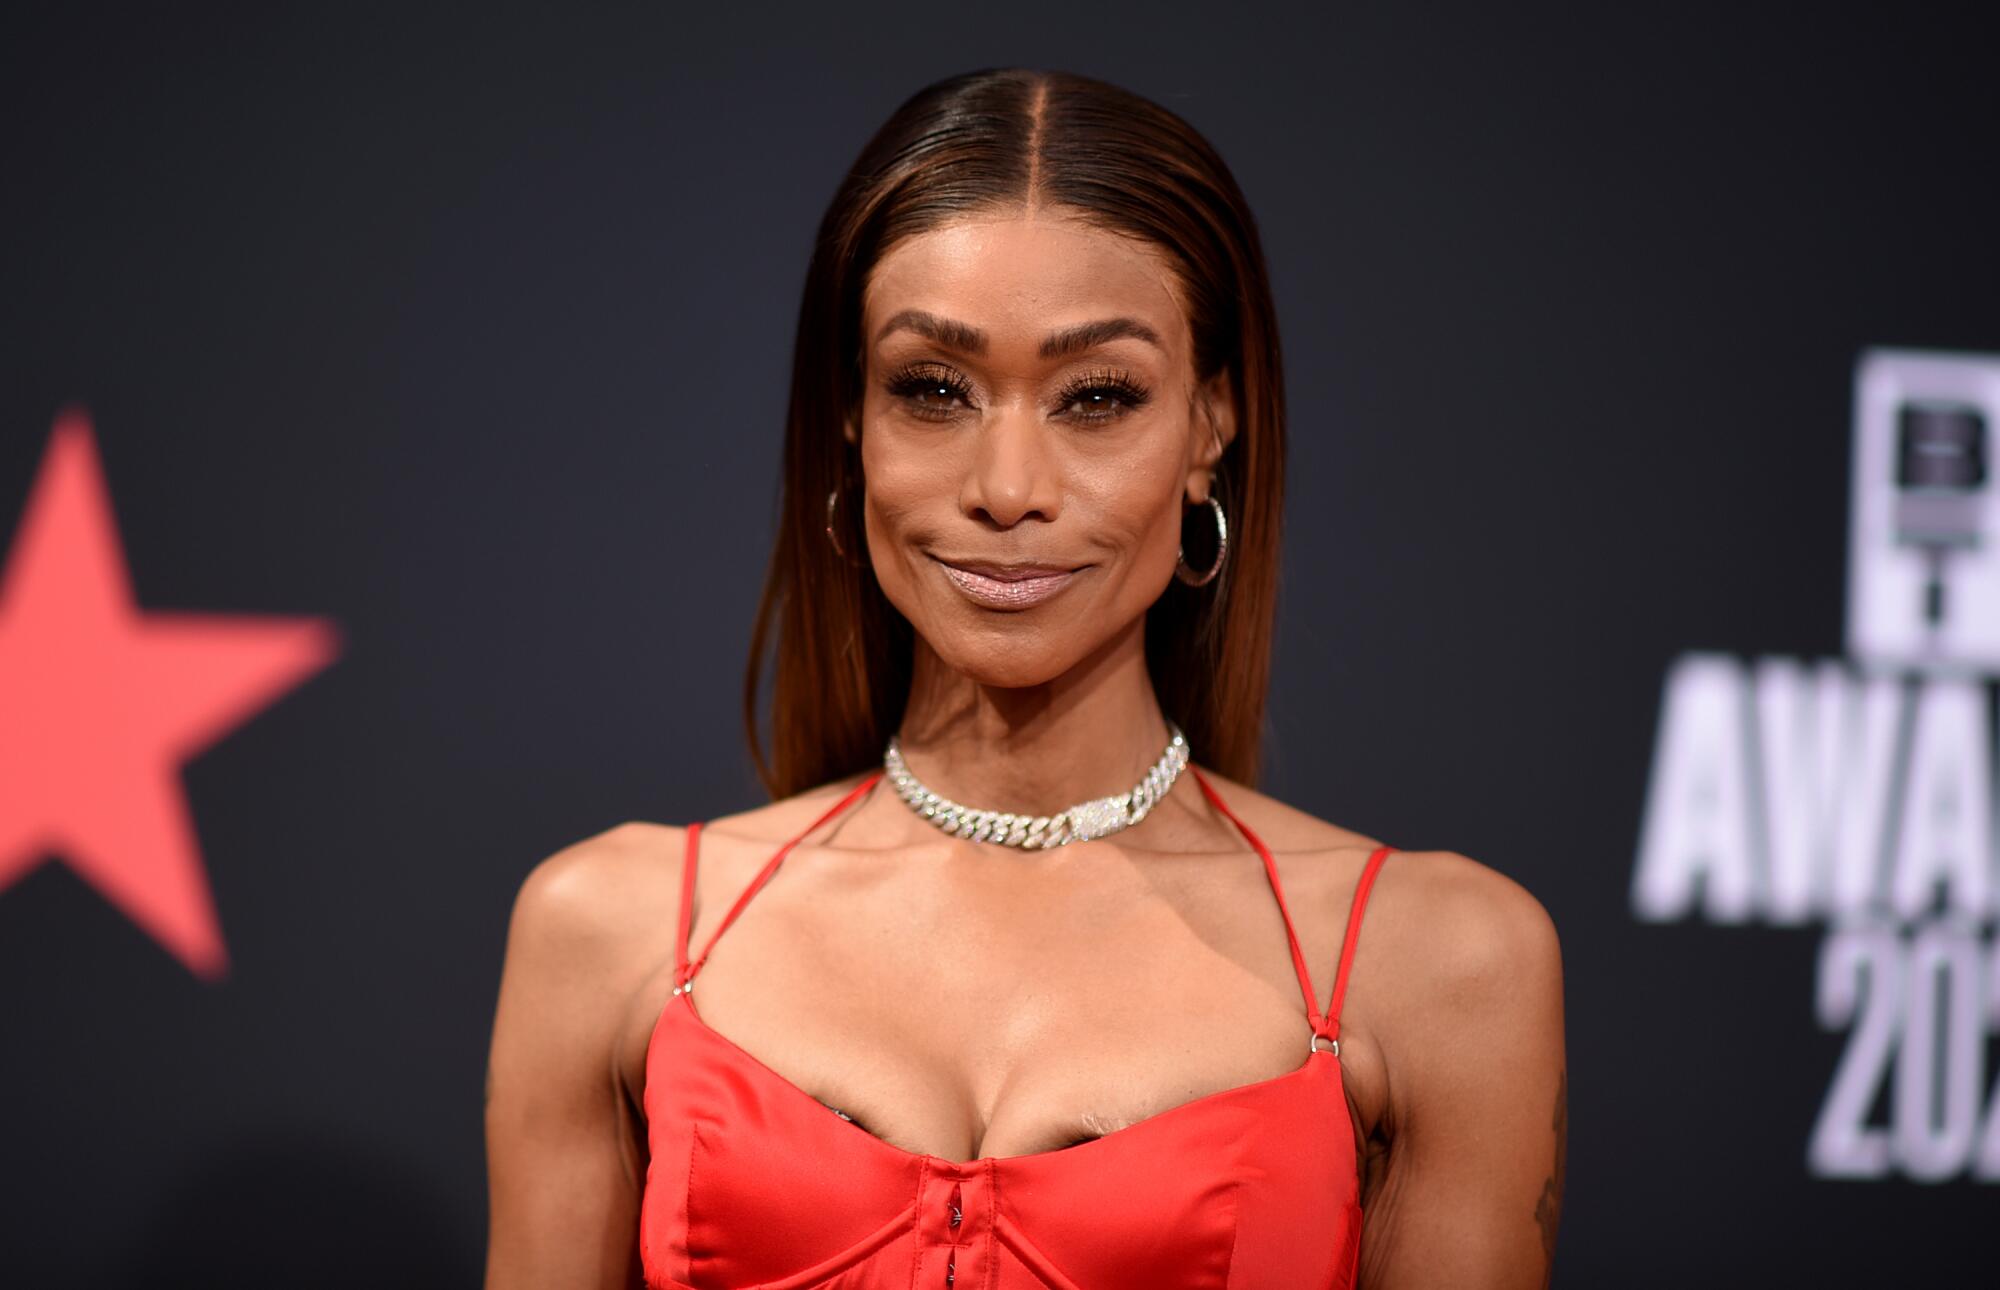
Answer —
(1017, 277)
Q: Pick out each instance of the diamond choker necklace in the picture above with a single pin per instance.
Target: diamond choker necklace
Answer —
(1079, 823)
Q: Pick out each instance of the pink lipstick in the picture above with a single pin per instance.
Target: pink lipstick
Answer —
(1006, 586)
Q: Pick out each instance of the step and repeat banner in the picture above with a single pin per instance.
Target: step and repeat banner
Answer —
(1855, 795)
(390, 408)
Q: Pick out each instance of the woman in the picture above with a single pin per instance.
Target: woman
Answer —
(1085, 1043)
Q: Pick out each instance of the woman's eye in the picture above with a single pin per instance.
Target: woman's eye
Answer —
(1102, 402)
(1097, 403)
(940, 395)
(929, 396)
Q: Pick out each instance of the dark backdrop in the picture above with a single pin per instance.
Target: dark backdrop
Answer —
(470, 333)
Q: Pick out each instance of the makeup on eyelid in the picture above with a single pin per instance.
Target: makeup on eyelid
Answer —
(913, 381)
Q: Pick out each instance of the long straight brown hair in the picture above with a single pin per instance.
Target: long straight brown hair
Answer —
(983, 140)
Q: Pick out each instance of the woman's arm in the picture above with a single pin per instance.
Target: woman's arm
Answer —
(564, 1164)
(1478, 1094)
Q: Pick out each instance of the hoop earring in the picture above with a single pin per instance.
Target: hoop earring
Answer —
(833, 499)
(1189, 576)
(833, 529)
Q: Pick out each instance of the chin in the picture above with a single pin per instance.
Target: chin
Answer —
(1009, 655)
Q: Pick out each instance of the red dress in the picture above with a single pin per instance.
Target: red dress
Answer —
(753, 1182)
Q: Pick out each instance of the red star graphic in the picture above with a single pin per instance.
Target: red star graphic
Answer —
(101, 703)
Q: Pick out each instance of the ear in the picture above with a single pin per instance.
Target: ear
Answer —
(850, 427)
(1211, 428)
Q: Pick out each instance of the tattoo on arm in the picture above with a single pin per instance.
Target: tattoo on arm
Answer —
(1548, 1209)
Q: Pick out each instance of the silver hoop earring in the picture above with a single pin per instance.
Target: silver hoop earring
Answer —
(833, 500)
(1189, 576)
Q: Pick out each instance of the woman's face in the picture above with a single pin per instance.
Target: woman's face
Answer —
(1030, 431)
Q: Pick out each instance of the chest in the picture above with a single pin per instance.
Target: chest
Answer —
(751, 1182)
(961, 1013)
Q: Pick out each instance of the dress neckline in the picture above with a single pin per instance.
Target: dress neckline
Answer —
(1322, 1026)
(743, 1055)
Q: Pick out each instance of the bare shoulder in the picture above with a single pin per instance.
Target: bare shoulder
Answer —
(565, 1152)
(1443, 925)
(1462, 1063)
(605, 891)
(1466, 960)
(1473, 918)
(596, 904)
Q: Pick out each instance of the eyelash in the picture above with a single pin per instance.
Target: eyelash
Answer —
(920, 379)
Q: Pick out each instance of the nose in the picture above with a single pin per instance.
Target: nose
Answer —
(1012, 477)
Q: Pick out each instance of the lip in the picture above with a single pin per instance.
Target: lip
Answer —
(1006, 586)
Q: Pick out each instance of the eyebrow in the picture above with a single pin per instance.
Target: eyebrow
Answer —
(968, 339)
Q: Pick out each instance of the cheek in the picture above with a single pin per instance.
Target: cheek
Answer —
(1134, 507)
(910, 493)
(910, 504)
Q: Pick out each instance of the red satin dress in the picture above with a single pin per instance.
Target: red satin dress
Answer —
(753, 1182)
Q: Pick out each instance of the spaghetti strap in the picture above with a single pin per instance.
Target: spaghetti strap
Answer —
(687, 903)
(683, 970)
(1361, 889)
(1324, 1027)
(1318, 1023)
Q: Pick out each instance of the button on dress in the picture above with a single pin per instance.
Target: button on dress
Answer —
(753, 1183)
